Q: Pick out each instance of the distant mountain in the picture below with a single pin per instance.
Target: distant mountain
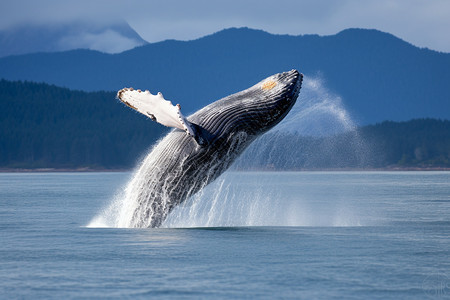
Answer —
(54, 37)
(378, 76)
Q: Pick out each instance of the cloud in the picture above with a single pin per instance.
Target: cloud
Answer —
(424, 23)
(108, 41)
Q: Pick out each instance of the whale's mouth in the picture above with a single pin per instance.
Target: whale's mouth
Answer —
(293, 82)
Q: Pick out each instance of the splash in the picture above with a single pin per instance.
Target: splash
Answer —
(318, 115)
(318, 112)
(262, 199)
(153, 192)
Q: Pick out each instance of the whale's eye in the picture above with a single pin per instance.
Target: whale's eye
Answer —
(268, 85)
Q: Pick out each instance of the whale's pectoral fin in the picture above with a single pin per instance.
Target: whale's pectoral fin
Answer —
(156, 108)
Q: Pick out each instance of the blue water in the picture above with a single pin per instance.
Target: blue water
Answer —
(301, 235)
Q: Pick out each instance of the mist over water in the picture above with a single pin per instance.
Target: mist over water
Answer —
(319, 116)
(318, 112)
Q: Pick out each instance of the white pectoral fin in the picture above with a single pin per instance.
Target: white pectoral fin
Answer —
(156, 108)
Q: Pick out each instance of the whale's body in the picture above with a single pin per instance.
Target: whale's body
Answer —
(181, 164)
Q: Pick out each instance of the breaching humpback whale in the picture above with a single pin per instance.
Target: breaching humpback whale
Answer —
(203, 145)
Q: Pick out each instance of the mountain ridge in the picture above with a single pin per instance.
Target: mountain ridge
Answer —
(379, 76)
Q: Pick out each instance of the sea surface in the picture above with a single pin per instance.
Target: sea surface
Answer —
(249, 235)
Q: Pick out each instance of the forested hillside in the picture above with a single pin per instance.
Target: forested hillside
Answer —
(44, 126)
(420, 143)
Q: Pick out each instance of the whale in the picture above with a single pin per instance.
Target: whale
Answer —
(202, 146)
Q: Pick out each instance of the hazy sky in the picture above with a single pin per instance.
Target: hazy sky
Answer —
(424, 23)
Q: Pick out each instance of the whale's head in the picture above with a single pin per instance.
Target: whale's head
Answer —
(254, 110)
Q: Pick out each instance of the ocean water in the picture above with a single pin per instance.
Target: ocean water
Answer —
(289, 235)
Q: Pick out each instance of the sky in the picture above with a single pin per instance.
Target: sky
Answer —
(423, 23)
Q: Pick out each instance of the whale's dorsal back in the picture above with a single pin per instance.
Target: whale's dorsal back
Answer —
(156, 108)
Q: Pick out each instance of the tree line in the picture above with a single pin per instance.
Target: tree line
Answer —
(44, 126)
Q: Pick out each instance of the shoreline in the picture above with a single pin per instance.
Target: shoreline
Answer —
(100, 170)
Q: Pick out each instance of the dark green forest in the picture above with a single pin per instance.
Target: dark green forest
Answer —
(44, 126)
(417, 143)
